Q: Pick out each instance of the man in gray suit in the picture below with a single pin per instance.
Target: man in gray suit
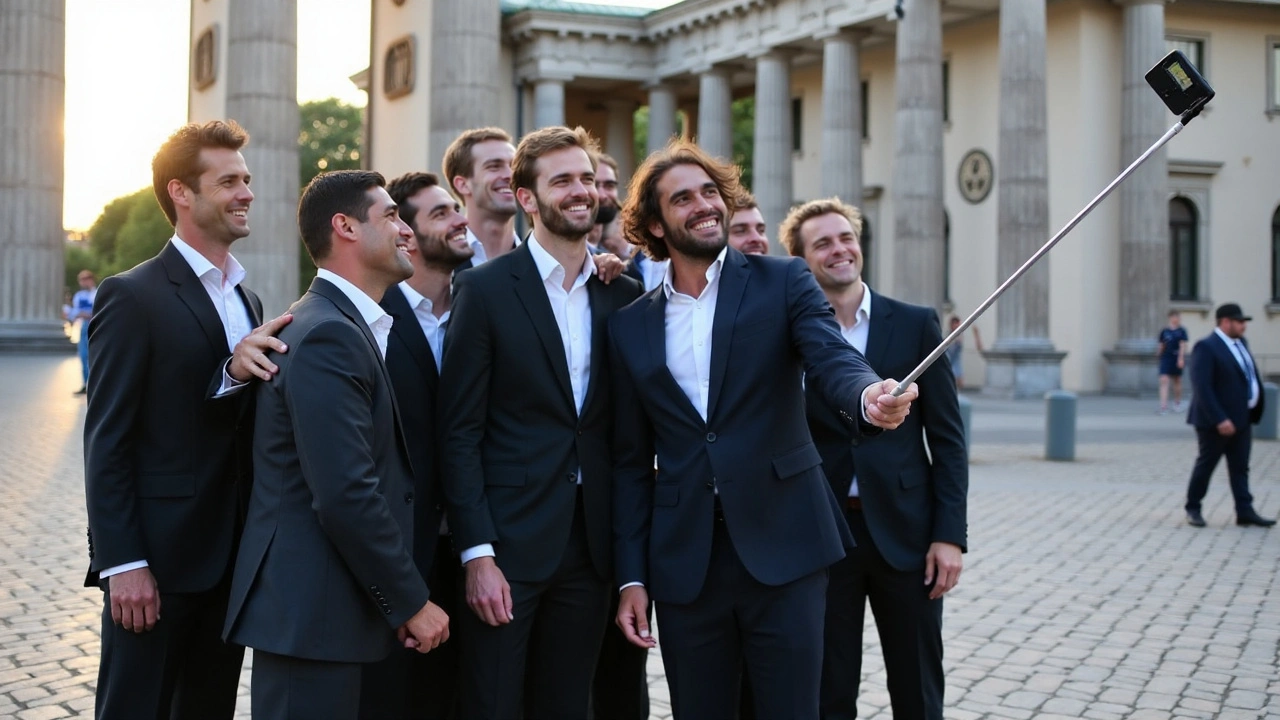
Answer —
(325, 578)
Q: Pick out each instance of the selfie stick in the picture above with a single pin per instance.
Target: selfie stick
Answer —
(1189, 110)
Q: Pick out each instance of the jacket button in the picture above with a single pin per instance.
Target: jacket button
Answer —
(711, 485)
(711, 437)
(408, 498)
(572, 477)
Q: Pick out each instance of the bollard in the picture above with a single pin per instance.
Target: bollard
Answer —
(966, 419)
(1267, 427)
(1060, 425)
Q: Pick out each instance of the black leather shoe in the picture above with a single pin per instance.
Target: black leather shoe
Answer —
(1253, 518)
(1195, 519)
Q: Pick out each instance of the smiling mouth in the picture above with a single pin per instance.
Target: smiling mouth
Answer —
(240, 213)
(840, 264)
(458, 237)
(578, 208)
(704, 224)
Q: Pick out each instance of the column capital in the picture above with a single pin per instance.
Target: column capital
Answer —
(658, 86)
(773, 53)
(544, 77)
(852, 34)
(713, 69)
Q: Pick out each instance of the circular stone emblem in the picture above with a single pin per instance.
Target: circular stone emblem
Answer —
(976, 176)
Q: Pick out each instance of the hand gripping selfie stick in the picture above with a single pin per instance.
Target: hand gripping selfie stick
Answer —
(1185, 92)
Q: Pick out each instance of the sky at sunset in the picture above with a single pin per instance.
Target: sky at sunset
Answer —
(126, 85)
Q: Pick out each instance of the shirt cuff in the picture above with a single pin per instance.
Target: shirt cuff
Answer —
(479, 551)
(630, 584)
(122, 568)
(230, 385)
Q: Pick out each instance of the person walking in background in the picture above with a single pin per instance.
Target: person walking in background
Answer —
(81, 309)
(1172, 354)
(955, 353)
(1226, 400)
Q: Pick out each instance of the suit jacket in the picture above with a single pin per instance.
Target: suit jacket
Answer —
(324, 570)
(416, 382)
(1219, 386)
(514, 439)
(167, 466)
(772, 326)
(632, 270)
(913, 481)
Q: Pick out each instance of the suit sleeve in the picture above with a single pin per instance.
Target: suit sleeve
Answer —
(837, 371)
(939, 408)
(332, 377)
(633, 471)
(464, 398)
(119, 339)
(1203, 366)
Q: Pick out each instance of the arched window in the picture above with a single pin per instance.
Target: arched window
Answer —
(1183, 250)
(865, 241)
(1275, 256)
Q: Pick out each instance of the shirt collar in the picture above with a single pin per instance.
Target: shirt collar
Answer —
(413, 297)
(548, 264)
(1225, 338)
(200, 264)
(864, 307)
(369, 310)
(713, 273)
(474, 241)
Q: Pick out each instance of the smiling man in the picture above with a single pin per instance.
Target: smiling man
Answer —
(747, 231)
(325, 578)
(525, 406)
(477, 168)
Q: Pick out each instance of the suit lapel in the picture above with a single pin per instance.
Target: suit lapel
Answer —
(655, 329)
(533, 296)
(406, 327)
(192, 293)
(597, 295)
(255, 313)
(733, 280)
(880, 332)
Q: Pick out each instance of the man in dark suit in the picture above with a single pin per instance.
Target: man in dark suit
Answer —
(904, 492)
(324, 579)
(733, 536)
(525, 407)
(1226, 401)
(409, 685)
(167, 439)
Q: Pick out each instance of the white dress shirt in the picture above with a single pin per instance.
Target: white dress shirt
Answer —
(236, 323)
(572, 311)
(371, 312)
(653, 271)
(857, 337)
(433, 327)
(688, 332)
(481, 257)
(1246, 365)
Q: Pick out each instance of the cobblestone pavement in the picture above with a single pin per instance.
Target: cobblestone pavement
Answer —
(1084, 596)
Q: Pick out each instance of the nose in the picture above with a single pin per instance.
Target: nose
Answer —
(403, 227)
(246, 195)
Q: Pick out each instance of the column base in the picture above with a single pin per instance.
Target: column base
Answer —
(1019, 373)
(1132, 372)
(34, 337)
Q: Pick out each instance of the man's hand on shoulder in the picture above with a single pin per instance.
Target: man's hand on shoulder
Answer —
(608, 266)
(249, 359)
(135, 599)
(883, 409)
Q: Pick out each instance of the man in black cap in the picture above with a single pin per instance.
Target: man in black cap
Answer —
(1226, 400)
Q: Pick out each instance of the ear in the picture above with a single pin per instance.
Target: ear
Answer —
(461, 186)
(178, 193)
(656, 229)
(528, 202)
(343, 227)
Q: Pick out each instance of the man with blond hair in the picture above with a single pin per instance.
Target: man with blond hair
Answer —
(903, 492)
(526, 403)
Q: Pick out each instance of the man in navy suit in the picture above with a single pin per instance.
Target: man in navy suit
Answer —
(1226, 400)
(904, 491)
(733, 535)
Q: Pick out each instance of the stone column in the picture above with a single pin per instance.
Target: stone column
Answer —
(548, 102)
(465, 48)
(32, 83)
(1023, 362)
(919, 267)
(662, 116)
(715, 118)
(262, 95)
(842, 116)
(771, 167)
(620, 139)
(1144, 208)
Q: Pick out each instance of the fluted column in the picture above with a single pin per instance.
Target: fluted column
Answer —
(1144, 209)
(662, 116)
(465, 44)
(715, 118)
(548, 102)
(919, 267)
(1023, 362)
(32, 80)
(262, 95)
(771, 168)
(842, 116)
(620, 139)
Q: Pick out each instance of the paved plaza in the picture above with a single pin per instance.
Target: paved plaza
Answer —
(1084, 594)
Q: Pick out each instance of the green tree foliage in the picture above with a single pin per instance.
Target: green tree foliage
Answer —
(143, 234)
(329, 139)
(743, 112)
(105, 230)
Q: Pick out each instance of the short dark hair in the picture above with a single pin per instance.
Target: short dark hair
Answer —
(405, 187)
(645, 207)
(340, 192)
(179, 157)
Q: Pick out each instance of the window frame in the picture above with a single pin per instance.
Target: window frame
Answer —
(1273, 74)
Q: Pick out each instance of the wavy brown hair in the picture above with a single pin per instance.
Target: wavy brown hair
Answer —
(179, 157)
(789, 232)
(524, 166)
(644, 207)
